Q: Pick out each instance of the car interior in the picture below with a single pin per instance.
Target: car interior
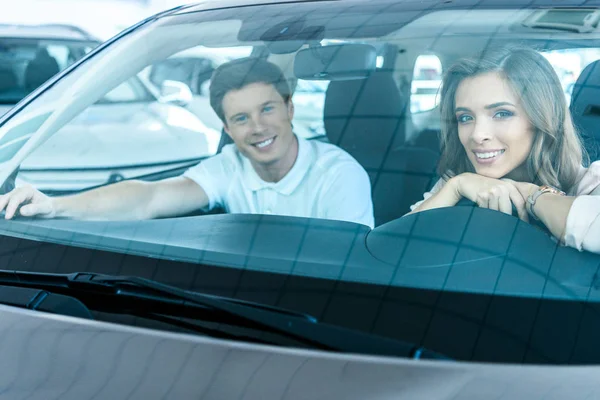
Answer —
(369, 73)
(369, 65)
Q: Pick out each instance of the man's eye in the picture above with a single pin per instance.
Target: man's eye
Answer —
(268, 108)
(464, 118)
(503, 114)
(240, 120)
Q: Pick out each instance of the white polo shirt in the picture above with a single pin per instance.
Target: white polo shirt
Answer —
(324, 182)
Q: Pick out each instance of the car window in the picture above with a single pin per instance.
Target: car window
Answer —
(309, 100)
(132, 90)
(472, 282)
(27, 63)
(181, 70)
(569, 63)
(426, 82)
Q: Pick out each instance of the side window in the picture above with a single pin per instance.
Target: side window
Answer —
(129, 91)
(194, 67)
(204, 71)
(181, 70)
(569, 63)
(309, 102)
(426, 82)
(129, 131)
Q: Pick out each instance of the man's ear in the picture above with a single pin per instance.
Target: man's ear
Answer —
(226, 129)
(290, 107)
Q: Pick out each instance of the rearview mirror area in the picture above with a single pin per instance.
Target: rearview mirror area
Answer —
(336, 62)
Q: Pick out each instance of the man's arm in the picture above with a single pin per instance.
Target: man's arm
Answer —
(128, 200)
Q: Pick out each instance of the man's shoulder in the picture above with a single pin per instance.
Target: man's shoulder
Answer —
(330, 157)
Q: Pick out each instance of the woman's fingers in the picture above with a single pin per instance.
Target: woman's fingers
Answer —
(517, 199)
(504, 201)
(502, 198)
(494, 199)
(482, 199)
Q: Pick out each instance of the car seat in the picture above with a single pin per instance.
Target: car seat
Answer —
(585, 108)
(366, 118)
(40, 69)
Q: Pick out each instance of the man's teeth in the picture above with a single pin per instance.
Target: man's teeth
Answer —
(265, 143)
(489, 155)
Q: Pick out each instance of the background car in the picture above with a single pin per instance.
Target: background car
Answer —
(96, 147)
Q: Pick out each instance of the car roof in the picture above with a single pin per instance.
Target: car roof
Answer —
(45, 31)
(413, 5)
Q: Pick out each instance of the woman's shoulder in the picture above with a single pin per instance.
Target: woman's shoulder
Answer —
(589, 180)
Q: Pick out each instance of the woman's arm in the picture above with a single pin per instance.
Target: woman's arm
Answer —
(574, 220)
(444, 194)
(487, 192)
(553, 210)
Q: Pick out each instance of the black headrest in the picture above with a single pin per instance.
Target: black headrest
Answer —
(585, 107)
(40, 69)
(365, 117)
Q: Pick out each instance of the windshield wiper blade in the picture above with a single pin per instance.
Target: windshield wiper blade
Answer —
(301, 327)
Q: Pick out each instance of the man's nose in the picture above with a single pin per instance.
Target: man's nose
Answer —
(258, 124)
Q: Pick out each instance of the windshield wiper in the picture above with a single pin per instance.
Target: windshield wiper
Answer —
(134, 294)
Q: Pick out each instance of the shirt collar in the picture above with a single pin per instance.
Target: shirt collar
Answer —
(290, 181)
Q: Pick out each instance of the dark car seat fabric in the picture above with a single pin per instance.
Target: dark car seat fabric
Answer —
(40, 69)
(367, 119)
(585, 108)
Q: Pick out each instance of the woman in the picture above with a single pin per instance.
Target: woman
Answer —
(508, 139)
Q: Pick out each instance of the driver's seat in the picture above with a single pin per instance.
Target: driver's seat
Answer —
(585, 108)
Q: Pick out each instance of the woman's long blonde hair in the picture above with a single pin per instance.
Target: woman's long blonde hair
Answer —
(556, 154)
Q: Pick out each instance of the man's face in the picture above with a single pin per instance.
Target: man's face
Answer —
(259, 122)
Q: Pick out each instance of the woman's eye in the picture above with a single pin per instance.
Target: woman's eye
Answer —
(463, 118)
(503, 114)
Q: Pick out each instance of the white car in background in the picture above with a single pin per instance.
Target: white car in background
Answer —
(166, 135)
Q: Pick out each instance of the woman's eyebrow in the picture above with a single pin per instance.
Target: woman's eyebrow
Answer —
(488, 107)
(500, 104)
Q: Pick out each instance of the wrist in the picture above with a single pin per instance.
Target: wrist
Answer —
(57, 206)
(454, 184)
(536, 193)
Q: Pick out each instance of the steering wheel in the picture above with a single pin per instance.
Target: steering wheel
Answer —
(464, 202)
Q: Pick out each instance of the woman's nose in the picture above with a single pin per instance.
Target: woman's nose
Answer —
(481, 132)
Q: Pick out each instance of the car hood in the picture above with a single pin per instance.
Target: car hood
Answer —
(108, 135)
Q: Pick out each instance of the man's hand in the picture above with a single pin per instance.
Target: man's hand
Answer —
(495, 194)
(27, 201)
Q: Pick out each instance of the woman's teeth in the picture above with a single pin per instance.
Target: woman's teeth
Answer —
(489, 155)
(265, 143)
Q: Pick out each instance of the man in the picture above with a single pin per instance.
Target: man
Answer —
(268, 169)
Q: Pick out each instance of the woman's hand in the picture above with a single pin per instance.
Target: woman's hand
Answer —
(525, 188)
(495, 194)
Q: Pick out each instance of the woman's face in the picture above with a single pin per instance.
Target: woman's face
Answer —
(492, 126)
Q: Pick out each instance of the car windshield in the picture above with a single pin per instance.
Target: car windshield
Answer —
(362, 90)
